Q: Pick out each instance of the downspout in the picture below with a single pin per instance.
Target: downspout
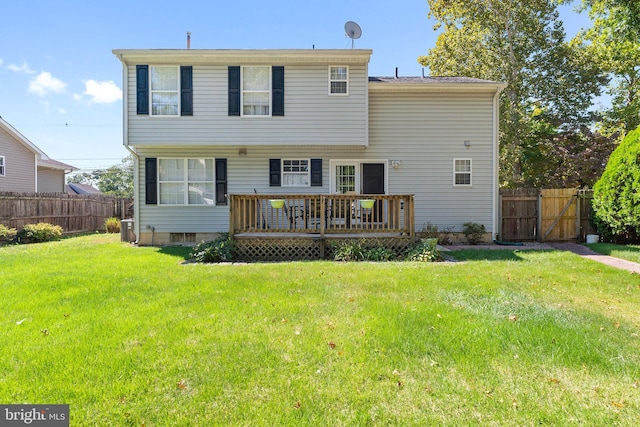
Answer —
(496, 159)
(125, 142)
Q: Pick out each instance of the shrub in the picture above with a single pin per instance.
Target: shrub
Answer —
(423, 251)
(112, 225)
(473, 231)
(40, 232)
(379, 254)
(7, 235)
(220, 249)
(357, 250)
(616, 195)
(348, 251)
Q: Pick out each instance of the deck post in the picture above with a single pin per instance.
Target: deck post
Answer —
(231, 221)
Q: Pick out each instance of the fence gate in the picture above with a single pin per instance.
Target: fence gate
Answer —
(529, 214)
(558, 214)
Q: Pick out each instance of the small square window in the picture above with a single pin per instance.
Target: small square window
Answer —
(338, 80)
(462, 172)
(295, 173)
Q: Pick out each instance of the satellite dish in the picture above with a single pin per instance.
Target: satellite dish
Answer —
(353, 31)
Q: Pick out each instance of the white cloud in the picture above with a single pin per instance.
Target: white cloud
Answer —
(1, 61)
(24, 68)
(45, 83)
(106, 92)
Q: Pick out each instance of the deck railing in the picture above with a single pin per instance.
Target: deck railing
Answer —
(321, 213)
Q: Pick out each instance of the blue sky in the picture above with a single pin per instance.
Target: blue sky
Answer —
(60, 85)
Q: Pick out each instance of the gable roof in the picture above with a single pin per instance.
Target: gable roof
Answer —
(21, 138)
(43, 160)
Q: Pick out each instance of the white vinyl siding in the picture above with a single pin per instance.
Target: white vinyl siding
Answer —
(462, 172)
(339, 80)
(165, 90)
(311, 117)
(426, 132)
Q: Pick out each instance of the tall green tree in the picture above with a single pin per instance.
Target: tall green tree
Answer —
(550, 82)
(613, 42)
(116, 180)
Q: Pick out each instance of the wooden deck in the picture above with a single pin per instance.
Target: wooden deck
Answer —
(289, 227)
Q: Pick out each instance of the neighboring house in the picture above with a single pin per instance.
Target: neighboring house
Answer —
(26, 168)
(75, 188)
(204, 124)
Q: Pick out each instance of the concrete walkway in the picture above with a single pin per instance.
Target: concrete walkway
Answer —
(585, 252)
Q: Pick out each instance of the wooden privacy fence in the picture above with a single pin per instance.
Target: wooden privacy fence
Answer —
(545, 215)
(74, 213)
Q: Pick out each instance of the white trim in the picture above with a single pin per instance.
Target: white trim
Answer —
(3, 166)
(185, 181)
(338, 81)
(151, 91)
(256, 116)
(470, 172)
(358, 165)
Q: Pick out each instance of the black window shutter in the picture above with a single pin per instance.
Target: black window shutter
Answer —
(221, 181)
(277, 86)
(316, 172)
(186, 90)
(150, 181)
(274, 172)
(142, 89)
(234, 91)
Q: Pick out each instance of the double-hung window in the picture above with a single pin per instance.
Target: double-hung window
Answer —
(339, 80)
(186, 181)
(462, 172)
(165, 90)
(2, 166)
(256, 91)
(296, 173)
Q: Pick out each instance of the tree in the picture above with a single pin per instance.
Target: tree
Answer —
(616, 195)
(550, 83)
(116, 180)
(614, 44)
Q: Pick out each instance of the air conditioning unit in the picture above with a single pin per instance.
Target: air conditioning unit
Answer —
(126, 231)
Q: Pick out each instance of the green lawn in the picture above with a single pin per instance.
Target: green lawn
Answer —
(628, 252)
(132, 336)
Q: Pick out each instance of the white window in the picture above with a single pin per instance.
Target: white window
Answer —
(338, 80)
(256, 91)
(296, 173)
(462, 172)
(2, 166)
(186, 182)
(165, 90)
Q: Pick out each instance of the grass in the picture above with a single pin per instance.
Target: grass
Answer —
(628, 252)
(132, 336)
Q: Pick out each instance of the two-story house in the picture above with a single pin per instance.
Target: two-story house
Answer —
(210, 126)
